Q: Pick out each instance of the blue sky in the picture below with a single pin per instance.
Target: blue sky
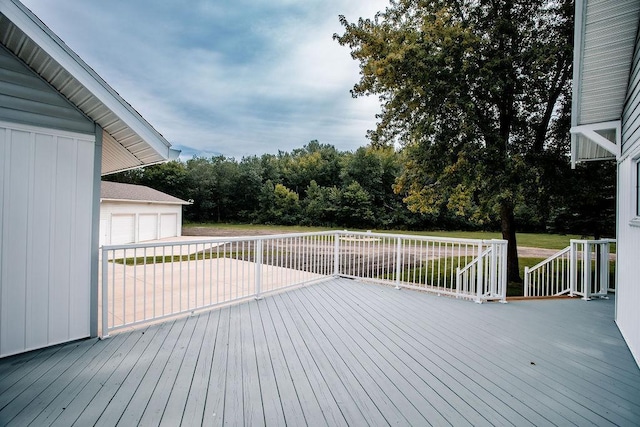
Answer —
(231, 77)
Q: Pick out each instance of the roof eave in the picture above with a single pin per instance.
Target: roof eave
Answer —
(55, 48)
(153, 202)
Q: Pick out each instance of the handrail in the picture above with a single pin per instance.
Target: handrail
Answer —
(551, 258)
(475, 261)
(572, 271)
(149, 281)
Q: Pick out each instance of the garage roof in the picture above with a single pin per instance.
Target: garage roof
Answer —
(129, 141)
(119, 192)
(605, 35)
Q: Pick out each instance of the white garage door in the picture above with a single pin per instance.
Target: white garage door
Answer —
(122, 229)
(168, 225)
(147, 227)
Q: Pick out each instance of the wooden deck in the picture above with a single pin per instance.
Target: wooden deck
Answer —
(340, 353)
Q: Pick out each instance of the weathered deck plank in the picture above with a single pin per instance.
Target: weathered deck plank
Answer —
(304, 389)
(539, 381)
(113, 368)
(322, 391)
(174, 411)
(197, 396)
(142, 396)
(371, 377)
(340, 353)
(291, 407)
(422, 388)
(161, 378)
(271, 404)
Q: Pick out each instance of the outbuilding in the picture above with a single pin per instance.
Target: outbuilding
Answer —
(61, 128)
(134, 213)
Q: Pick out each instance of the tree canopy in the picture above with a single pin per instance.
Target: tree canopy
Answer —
(475, 91)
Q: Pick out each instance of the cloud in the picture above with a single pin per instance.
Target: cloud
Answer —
(241, 77)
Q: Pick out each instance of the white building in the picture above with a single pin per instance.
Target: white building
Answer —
(606, 125)
(135, 213)
(61, 128)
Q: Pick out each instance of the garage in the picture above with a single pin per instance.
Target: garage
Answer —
(148, 227)
(135, 213)
(168, 225)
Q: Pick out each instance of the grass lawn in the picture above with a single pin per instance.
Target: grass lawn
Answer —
(535, 240)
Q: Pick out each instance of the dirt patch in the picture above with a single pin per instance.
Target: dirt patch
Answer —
(523, 251)
(229, 232)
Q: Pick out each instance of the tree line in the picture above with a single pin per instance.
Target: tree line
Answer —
(318, 185)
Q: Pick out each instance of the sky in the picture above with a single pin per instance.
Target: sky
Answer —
(226, 77)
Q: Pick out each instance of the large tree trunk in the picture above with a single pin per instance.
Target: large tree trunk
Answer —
(507, 223)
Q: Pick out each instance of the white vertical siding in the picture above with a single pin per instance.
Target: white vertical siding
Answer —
(46, 191)
(628, 249)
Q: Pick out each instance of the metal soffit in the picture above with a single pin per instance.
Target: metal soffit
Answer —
(605, 38)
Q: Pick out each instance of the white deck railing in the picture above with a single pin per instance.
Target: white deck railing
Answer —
(445, 266)
(148, 282)
(582, 268)
(550, 277)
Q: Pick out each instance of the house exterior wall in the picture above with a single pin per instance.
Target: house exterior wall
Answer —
(142, 215)
(46, 225)
(628, 236)
(628, 250)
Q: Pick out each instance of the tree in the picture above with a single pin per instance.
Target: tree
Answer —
(356, 208)
(469, 88)
(286, 205)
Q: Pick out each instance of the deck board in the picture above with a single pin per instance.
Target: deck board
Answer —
(373, 378)
(68, 386)
(422, 387)
(160, 379)
(291, 407)
(328, 405)
(214, 404)
(540, 382)
(271, 405)
(142, 395)
(463, 340)
(68, 414)
(174, 411)
(340, 352)
(197, 396)
(304, 390)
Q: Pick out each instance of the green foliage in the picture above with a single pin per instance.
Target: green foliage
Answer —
(469, 89)
(358, 193)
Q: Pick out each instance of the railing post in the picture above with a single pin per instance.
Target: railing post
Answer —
(573, 273)
(526, 281)
(604, 268)
(258, 271)
(105, 295)
(479, 275)
(493, 277)
(398, 260)
(336, 254)
(503, 271)
(586, 270)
